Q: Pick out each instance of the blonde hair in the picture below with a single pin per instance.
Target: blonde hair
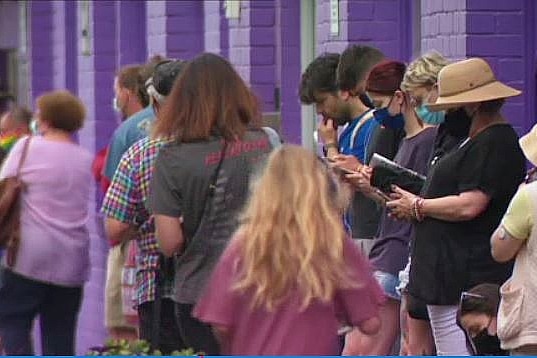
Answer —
(292, 234)
(423, 71)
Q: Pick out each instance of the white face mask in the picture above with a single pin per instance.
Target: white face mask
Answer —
(115, 105)
(34, 127)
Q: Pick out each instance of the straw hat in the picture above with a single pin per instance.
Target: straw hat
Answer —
(528, 143)
(468, 81)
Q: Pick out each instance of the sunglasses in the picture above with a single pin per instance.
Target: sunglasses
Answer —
(531, 176)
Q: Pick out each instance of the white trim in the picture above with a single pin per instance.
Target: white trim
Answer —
(308, 118)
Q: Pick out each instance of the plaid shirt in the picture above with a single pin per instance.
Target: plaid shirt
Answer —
(125, 202)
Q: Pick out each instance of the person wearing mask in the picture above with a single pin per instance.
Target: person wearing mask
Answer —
(462, 201)
(125, 211)
(420, 82)
(352, 72)
(14, 124)
(477, 313)
(132, 102)
(291, 275)
(200, 180)
(390, 249)
(52, 262)
(338, 108)
(516, 239)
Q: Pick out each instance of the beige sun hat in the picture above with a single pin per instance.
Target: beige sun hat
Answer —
(468, 81)
(528, 143)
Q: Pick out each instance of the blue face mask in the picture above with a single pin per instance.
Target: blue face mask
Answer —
(434, 118)
(385, 119)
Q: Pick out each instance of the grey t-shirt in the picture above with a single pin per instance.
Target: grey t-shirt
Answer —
(179, 188)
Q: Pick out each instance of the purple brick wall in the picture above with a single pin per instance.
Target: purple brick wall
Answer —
(156, 27)
(262, 52)
(41, 24)
(184, 28)
(212, 26)
(9, 24)
(386, 24)
(444, 27)
(239, 41)
(96, 74)
(264, 46)
(289, 69)
(496, 32)
(131, 32)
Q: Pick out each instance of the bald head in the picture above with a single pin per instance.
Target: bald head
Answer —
(16, 121)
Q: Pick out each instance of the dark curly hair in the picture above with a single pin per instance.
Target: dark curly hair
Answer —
(319, 77)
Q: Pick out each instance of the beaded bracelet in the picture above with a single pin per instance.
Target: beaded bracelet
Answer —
(417, 206)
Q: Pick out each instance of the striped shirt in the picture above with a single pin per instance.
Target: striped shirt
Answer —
(125, 202)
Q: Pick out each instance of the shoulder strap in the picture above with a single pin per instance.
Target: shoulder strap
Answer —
(24, 154)
(214, 179)
(274, 138)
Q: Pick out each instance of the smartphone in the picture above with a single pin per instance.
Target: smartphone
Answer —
(383, 195)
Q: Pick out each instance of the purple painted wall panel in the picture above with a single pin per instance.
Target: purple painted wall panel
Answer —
(443, 27)
(95, 84)
(212, 26)
(495, 31)
(41, 41)
(9, 24)
(290, 70)
(156, 27)
(131, 32)
(185, 28)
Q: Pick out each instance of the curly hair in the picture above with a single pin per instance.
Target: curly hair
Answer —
(319, 77)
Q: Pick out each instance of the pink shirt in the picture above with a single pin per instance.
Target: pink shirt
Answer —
(287, 330)
(54, 211)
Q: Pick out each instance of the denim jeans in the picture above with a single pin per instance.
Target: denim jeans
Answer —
(22, 299)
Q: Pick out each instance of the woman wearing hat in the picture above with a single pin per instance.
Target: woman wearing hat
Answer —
(463, 200)
(516, 238)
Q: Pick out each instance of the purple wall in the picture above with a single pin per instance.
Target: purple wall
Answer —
(289, 69)
(9, 24)
(496, 32)
(41, 23)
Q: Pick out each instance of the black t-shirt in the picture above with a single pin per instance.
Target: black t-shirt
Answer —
(451, 133)
(366, 212)
(449, 257)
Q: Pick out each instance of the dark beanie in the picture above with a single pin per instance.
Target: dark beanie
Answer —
(386, 77)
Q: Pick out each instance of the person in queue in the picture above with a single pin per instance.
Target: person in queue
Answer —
(462, 201)
(291, 275)
(52, 262)
(200, 180)
(515, 238)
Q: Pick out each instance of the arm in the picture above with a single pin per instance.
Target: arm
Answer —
(504, 246)
(463, 207)
(118, 231)
(169, 234)
(515, 228)
(328, 134)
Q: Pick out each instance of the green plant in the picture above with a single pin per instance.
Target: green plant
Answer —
(122, 347)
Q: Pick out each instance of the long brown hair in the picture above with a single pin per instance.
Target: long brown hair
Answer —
(208, 98)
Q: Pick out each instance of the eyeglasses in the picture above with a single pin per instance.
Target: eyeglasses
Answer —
(465, 295)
